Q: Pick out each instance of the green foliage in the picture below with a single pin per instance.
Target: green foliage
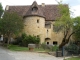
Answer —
(20, 48)
(72, 48)
(49, 47)
(30, 39)
(13, 22)
(73, 58)
(63, 22)
(1, 9)
(43, 45)
(18, 41)
(76, 28)
(24, 40)
(17, 48)
(55, 48)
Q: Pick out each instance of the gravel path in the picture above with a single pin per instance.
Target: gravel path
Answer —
(32, 56)
(15, 55)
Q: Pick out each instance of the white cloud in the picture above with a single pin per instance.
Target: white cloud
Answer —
(25, 2)
(75, 10)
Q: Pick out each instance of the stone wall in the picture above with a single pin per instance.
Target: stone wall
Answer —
(35, 25)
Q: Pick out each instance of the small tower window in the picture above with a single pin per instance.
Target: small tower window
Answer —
(47, 30)
(34, 9)
(37, 20)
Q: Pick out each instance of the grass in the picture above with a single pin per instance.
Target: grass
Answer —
(73, 58)
(19, 48)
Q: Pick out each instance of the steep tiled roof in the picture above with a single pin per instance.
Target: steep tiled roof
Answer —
(50, 12)
(34, 10)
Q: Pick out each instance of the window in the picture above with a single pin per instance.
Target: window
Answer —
(47, 26)
(54, 42)
(47, 43)
(38, 36)
(47, 30)
(34, 9)
(37, 20)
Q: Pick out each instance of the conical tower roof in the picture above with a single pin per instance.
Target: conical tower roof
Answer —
(34, 10)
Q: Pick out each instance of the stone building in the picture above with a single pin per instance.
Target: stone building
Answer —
(39, 21)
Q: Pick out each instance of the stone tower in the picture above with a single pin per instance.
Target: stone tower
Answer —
(34, 22)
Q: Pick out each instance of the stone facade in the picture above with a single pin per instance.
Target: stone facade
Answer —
(39, 20)
(35, 26)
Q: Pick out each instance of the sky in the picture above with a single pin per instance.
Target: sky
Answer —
(74, 5)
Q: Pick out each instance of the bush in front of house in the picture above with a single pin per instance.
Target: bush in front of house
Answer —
(55, 48)
(28, 39)
(18, 41)
(49, 47)
(24, 40)
(72, 48)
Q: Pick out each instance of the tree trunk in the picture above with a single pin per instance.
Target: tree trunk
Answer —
(65, 41)
(9, 36)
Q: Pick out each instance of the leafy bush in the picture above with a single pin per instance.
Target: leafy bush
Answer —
(49, 47)
(43, 45)
(24, 40)
(18, 41)
(55, 48)
(72, 48)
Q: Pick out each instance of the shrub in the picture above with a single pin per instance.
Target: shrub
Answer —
(43, 45)
(49, 47)
(18, 41)
(55, 48)
(72, 48)
(24, 40)
(27, 39)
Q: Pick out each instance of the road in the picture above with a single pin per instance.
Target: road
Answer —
(16, 55)
(4, 54)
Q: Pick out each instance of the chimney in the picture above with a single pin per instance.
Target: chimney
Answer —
(43, 4)
(7, 7)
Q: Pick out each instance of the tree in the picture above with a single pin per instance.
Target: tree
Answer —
(11, 24)
(64, 23)
(76, 28)
(1, 10)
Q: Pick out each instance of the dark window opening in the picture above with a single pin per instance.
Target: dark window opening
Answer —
(47, 43)
(38, 36)
(47, 30)
(37, 20)
(54, 42)
(34, 9)
(47, 26)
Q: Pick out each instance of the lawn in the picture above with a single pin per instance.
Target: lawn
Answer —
(19, 48)
(73, 58)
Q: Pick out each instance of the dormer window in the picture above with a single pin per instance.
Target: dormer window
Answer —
(34, 9)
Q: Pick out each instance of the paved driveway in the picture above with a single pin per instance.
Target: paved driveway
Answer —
(12, 55)
(4, 55)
